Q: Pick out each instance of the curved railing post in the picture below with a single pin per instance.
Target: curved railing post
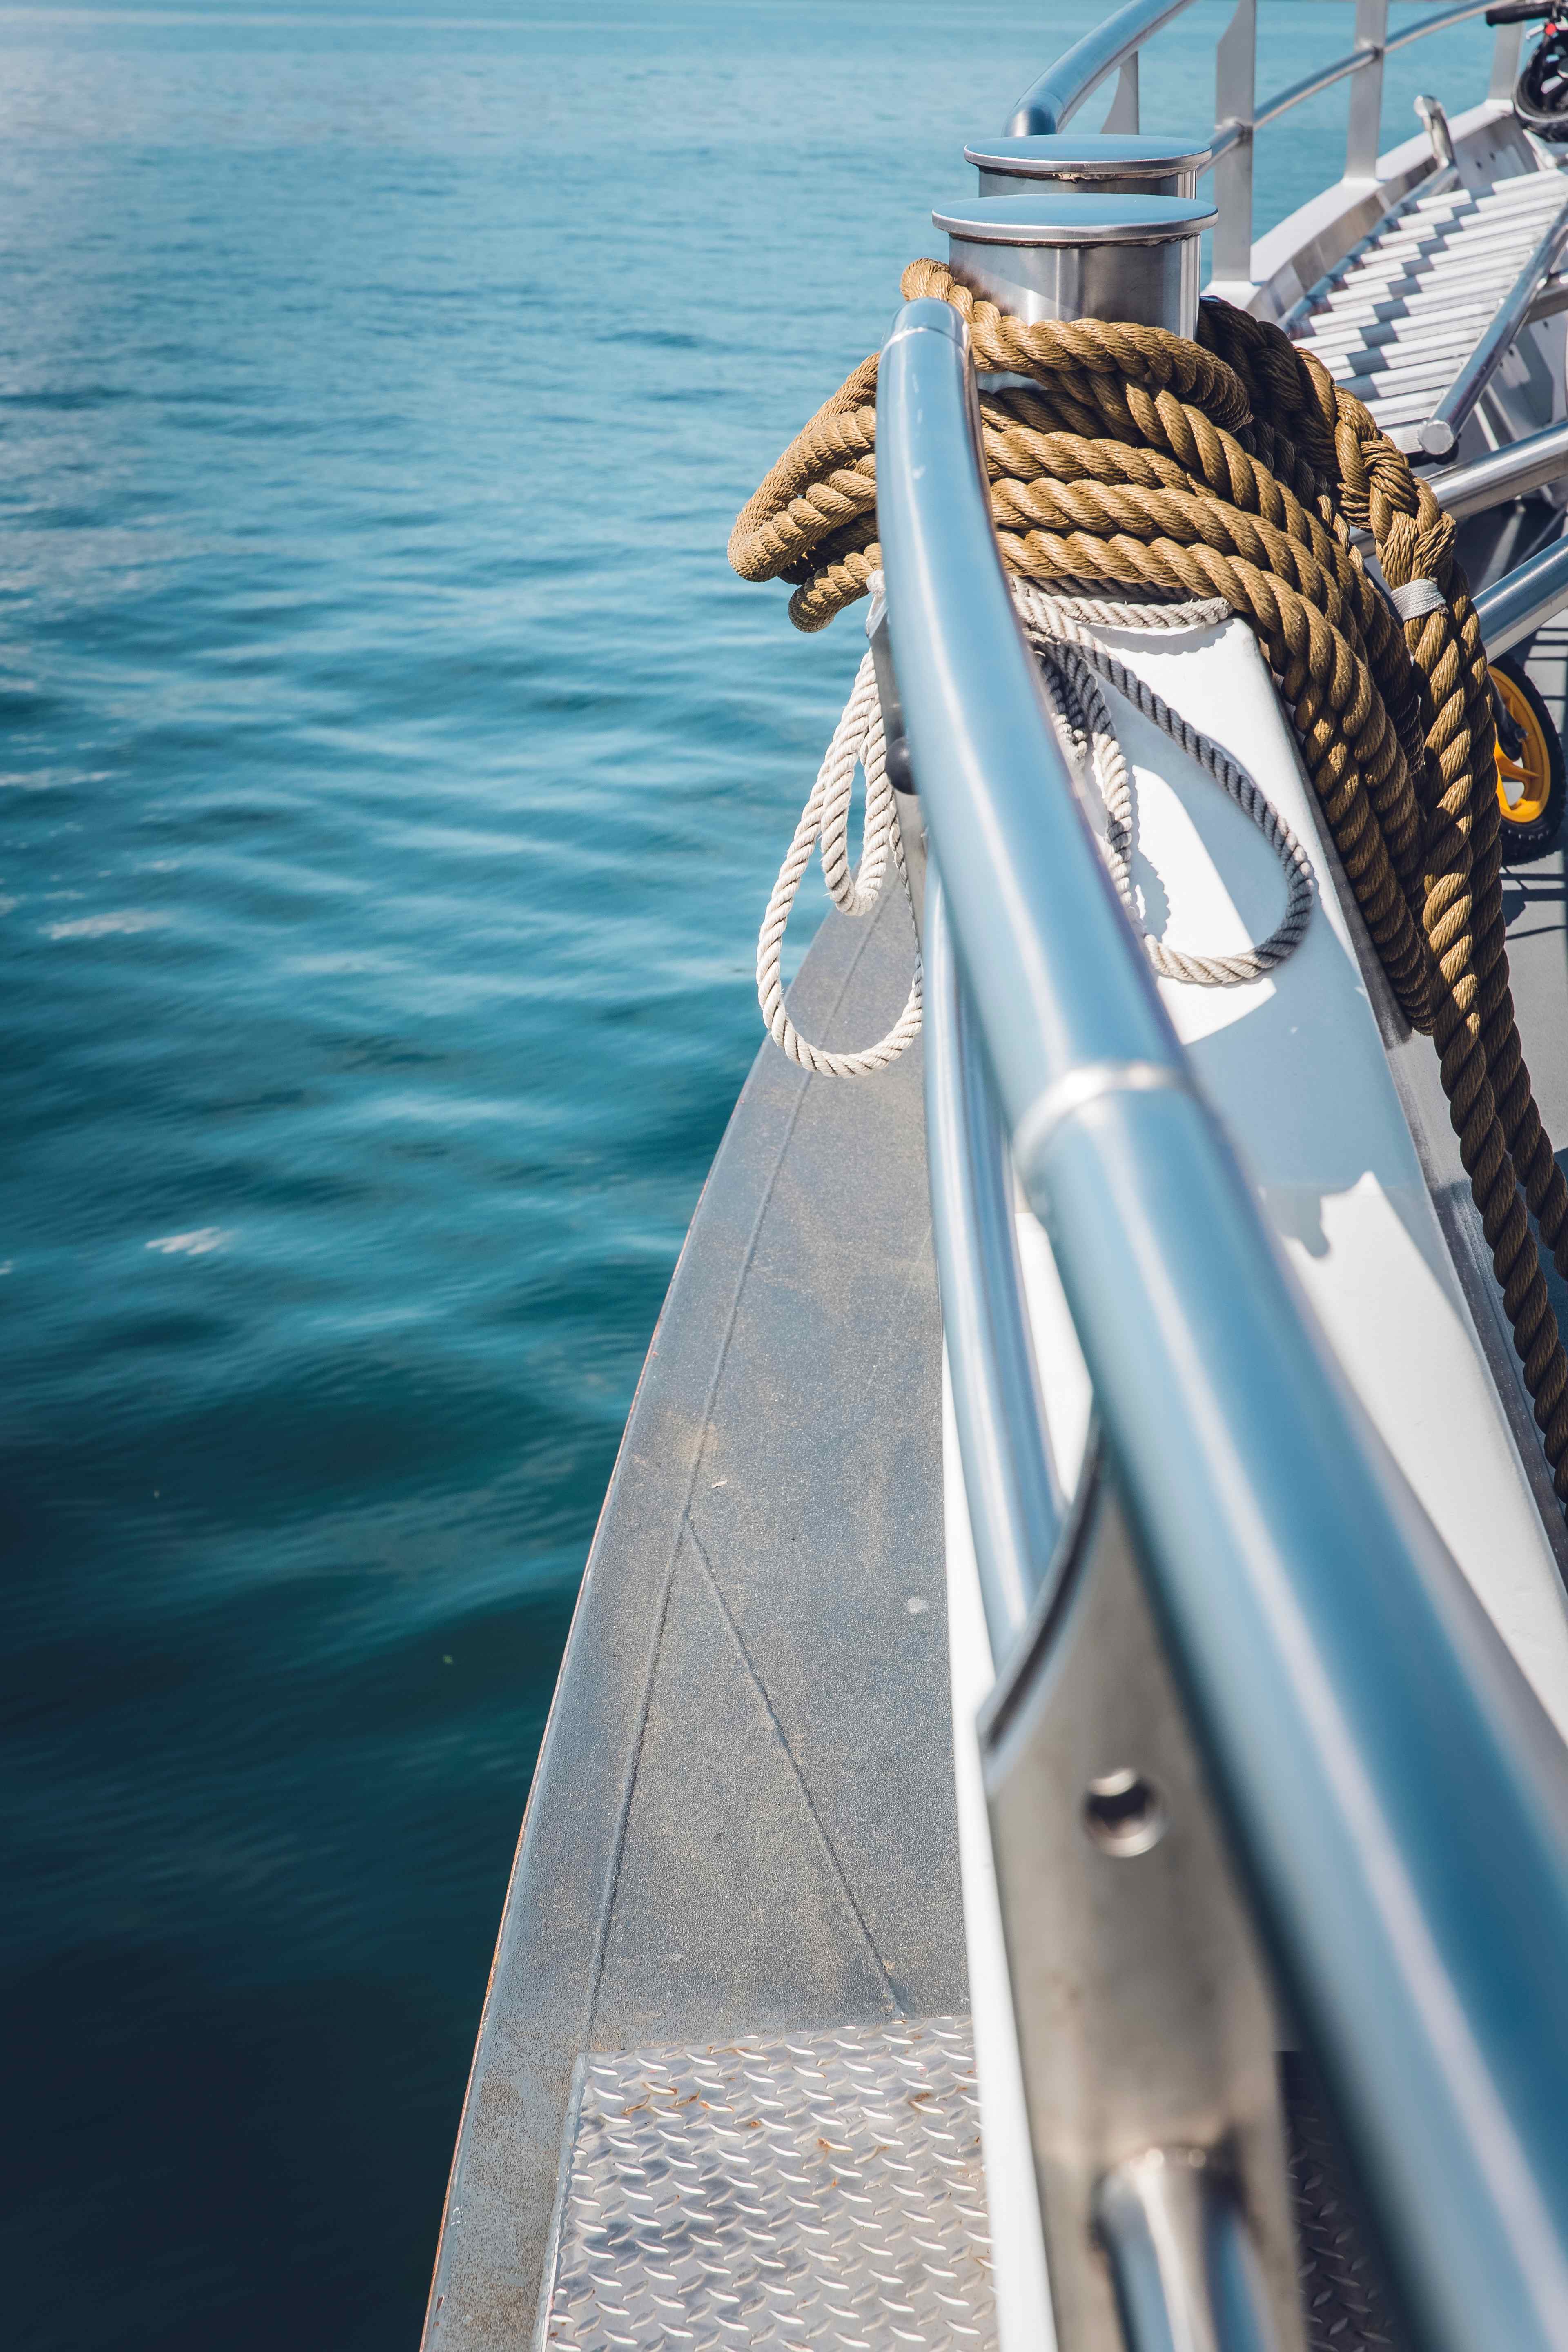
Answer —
(1235, 65)
(1363, 136)
(1061, 89)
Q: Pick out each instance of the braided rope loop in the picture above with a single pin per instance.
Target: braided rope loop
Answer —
(1070, 657)
(857, 742)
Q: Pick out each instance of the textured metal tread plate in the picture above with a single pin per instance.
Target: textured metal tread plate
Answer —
(1343, 2301)
(819, 2190)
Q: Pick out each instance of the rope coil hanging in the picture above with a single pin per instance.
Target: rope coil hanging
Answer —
(1233, 468)
(1071, 660)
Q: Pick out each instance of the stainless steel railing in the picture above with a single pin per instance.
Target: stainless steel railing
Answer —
(1524, 599)
(1397, 1807)
(1512, 472)
(1014, 1498)
(1114, 46)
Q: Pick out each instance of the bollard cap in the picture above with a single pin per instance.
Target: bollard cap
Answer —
(1060, 216)
(1086, 156)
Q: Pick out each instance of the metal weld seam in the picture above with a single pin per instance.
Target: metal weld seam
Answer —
(828, 1848)
(634, 1761)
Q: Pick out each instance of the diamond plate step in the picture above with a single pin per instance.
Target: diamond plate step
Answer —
(818, 2191)
(826, 2191)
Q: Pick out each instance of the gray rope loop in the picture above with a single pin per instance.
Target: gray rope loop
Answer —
(1072, 662)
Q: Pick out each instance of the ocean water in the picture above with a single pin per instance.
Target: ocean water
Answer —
(392, 776)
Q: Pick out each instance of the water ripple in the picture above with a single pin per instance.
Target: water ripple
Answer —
(391, 778)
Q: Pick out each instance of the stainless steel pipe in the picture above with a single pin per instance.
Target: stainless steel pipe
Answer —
(1524, 599)
(1113, 42)
(1016, 1502)
(1053, 254)
(1502, 474)
(1186, 2275)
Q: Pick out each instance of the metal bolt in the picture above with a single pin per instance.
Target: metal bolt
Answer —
(1123, 1814)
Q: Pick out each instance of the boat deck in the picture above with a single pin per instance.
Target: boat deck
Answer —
(742, 1821)
(737, 1883)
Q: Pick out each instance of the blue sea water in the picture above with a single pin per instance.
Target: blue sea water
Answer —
(391, 778)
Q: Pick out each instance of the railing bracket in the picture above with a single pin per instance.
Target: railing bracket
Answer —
(1145, 2020)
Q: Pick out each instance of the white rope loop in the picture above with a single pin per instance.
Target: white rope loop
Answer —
(858, 742)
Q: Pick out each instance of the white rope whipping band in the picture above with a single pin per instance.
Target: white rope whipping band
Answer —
(1072, 662)
(1416, 599)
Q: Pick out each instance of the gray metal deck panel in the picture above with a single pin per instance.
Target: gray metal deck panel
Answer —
(822, 2192)
(742, 1821)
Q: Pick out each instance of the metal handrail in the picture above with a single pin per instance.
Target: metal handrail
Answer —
(1482, 483)
(1524, 599)
(1016, 1504)
(1510, 472)
(1396, 1799)
(1115, 46)
(1076, 74)
(1355, 61)
(1061, 89)
(1434, 23)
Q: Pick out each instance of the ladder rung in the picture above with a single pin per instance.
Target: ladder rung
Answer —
(1447, 261)
(1398, 366)
(1427, 384)
(1401, 408)
(1413, 292)
(1461, 325)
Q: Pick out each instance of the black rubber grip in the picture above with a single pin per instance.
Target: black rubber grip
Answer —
(1520, 12)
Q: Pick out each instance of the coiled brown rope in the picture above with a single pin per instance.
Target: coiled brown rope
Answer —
(1232, 466)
